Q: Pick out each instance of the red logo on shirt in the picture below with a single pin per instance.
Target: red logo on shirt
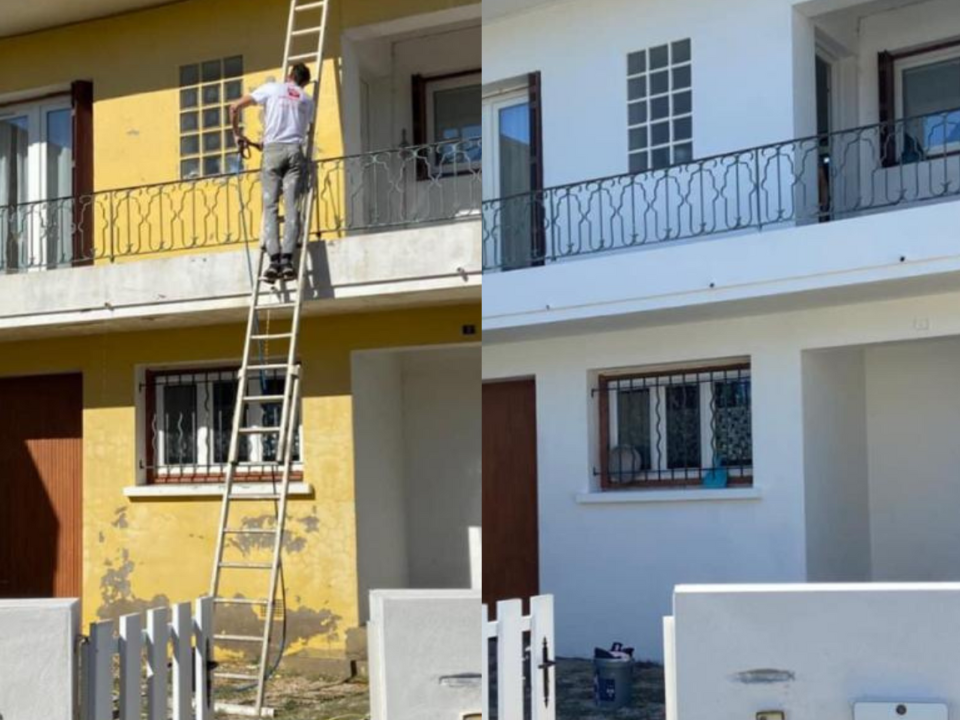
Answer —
(295, 94)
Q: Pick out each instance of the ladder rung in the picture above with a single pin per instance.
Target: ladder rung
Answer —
(274, 336)
(255, 496)
(238, 638)
(307, 31)
(264, 399)
(243, 531)
(260, 431)
(268, 366)
(236, 676)
(309, 6)
(277, 306)
(240, 601)
(311, 56)
(247, 565)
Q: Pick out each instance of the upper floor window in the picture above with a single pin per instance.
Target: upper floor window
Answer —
(676, 427)
(189, 420)
(207, 145)
(928, 98)
(660, 106)
(447, 111)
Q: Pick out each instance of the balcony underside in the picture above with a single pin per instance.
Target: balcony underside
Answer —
(379, 271)
(24, 17)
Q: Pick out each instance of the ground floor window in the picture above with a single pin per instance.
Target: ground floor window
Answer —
(188, 423)
(676, 427)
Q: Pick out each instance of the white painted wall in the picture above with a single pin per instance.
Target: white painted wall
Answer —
(742, 74)
(613, 566)
(37, 659)
(442, 447)
(835, 466)
(753, 83)
(913, 416)
(824, 648)
(382, 551)
(425, 661)
(417, 430)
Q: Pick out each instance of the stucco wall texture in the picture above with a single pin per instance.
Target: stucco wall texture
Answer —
(140, 553)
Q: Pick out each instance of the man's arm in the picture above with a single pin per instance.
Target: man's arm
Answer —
(236, 112)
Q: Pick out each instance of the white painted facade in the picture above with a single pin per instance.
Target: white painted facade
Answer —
(813, 651)
(855, 465)
(849, 327)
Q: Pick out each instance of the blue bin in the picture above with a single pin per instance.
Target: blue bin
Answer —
(612, 683)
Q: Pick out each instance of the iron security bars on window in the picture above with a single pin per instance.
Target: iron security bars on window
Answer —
(189, 417)
(822, 178)
(676, 429)
(389, 189)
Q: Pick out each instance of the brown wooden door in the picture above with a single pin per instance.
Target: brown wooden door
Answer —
(511, 548)
(40, 486)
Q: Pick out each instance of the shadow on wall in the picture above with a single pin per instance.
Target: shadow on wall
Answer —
(29, 528)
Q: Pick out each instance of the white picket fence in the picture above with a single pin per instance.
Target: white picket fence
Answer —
(145, 644)
(514, 634)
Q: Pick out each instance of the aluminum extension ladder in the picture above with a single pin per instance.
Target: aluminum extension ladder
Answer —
(307, 23)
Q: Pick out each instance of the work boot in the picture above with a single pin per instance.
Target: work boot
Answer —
(287, 271)
(272, 272)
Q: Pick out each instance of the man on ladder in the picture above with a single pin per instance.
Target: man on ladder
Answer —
(288, 112)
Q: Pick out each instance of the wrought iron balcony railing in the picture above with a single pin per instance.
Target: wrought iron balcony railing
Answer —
(370, 192)
(811, 180)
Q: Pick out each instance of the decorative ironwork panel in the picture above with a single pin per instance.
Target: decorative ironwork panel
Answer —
(817, 179)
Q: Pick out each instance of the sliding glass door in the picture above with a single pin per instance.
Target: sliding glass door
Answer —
(36, 185)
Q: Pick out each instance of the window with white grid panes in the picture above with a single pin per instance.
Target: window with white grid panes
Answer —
(660, 106)
(207, 145)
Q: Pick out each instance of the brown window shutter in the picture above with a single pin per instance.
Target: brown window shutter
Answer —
(424, 158)
(888, 111)
(538, 239)
(81, 93)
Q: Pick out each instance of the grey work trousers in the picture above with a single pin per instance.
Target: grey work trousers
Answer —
(283, 172)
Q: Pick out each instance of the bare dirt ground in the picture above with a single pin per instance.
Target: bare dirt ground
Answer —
(299, 698)
(575, 693)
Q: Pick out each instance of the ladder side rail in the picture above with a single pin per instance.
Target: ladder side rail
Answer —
(234, 451)
(294, 344)
(277, 553)
(288, 40)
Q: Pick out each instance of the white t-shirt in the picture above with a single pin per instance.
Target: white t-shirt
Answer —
(287, 110)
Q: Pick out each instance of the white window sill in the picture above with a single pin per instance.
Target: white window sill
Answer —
(620, 497)
(210, 490)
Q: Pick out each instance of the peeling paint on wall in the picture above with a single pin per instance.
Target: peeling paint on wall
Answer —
(120, 518)
(116, 591)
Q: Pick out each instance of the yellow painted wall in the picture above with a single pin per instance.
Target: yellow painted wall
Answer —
(149, 552)
(134, 60)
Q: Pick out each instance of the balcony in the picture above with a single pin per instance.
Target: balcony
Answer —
(853, 210)
(819, 179)
(393, 222)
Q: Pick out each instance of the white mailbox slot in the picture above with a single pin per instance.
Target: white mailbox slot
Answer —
(900, 711)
